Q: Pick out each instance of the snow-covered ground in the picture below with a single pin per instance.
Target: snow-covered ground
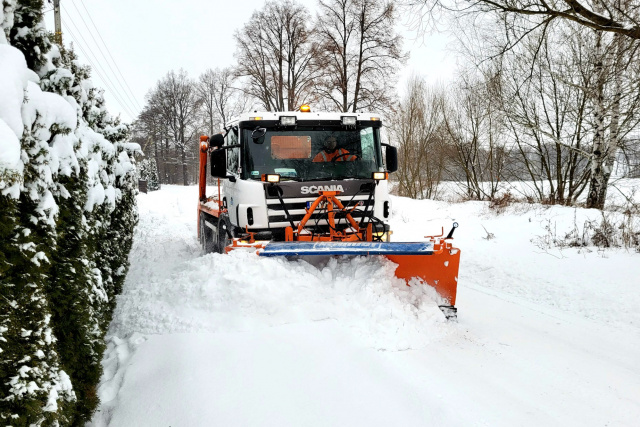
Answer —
(544, 337)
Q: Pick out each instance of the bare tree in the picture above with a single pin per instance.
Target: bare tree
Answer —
(220, 100)
(418, 131)
(475, 127)
(572, 93)
(615, 96)
(177, 98)
(275, 53)
(612, 16)
(359, 54)
(572, 98)
(147, 131)
(547, 109)
(151, 131)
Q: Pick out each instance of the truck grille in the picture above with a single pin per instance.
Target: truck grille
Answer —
(297, 206)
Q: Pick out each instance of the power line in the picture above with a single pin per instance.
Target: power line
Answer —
(109, 52)
(93, 60)
(133, 103)
(113, 92)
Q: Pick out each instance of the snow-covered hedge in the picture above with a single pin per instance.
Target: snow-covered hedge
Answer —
(67, 213)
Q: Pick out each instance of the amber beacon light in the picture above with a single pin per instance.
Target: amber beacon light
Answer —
(305, 108)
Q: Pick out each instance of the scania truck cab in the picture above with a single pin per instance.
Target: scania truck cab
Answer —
(275, 164)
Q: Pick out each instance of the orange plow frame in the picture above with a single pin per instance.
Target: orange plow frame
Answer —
(438, 267)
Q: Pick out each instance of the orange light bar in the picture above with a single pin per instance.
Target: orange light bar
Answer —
(305, 108)
(255, 118)
(273, 178)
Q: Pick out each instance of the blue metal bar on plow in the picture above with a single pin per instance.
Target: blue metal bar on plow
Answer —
(346, 248)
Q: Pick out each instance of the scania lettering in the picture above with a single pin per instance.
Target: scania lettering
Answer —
(315, 189)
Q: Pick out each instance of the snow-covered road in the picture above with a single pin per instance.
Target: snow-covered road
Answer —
(544, 337)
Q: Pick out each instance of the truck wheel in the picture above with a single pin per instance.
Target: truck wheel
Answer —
(224, 230)
(206, 235)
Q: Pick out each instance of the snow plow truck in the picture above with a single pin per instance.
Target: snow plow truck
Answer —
(309, 183)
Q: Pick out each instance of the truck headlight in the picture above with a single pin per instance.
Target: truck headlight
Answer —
(273, 178)
(379, 176)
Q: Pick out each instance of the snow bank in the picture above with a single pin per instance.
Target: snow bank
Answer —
(581, 281)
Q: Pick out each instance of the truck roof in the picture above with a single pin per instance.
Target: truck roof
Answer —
(313, 115)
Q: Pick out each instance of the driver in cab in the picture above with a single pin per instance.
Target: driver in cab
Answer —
(330, 152)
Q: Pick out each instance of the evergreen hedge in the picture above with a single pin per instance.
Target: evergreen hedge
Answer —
(66, 229)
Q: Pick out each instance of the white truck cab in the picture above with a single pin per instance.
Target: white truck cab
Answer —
(307, 152)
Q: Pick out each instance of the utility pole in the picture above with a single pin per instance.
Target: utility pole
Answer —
(58, 24)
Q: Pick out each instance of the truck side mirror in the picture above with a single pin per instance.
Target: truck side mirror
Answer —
(216, 141)
(392, 158)
(219, 163)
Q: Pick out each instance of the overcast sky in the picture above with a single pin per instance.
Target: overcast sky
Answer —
(148, 38)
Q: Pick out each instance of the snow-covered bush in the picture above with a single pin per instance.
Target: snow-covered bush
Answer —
(148, 171)
(612, 229)
(67, 212)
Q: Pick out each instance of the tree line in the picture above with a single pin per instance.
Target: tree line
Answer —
(67, 214)
(546, 97)
(345, 58)
(550, 96)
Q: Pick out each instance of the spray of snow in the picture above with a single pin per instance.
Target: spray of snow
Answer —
(176, 289)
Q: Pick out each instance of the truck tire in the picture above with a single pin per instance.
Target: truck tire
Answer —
(206, 234)
(224, 229)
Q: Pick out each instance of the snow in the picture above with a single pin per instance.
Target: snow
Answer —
(95, 196)
(9, 148)
(94, 147)
(544, 337)
(14, 76)
(49, 108)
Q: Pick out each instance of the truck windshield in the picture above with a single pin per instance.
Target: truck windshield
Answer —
(313, 153)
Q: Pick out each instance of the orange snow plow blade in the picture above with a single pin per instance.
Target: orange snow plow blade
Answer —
(435, 262)
(439, 270)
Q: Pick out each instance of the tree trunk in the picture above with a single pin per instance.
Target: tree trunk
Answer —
(185, 178)
(597, 180)
(614, 134)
